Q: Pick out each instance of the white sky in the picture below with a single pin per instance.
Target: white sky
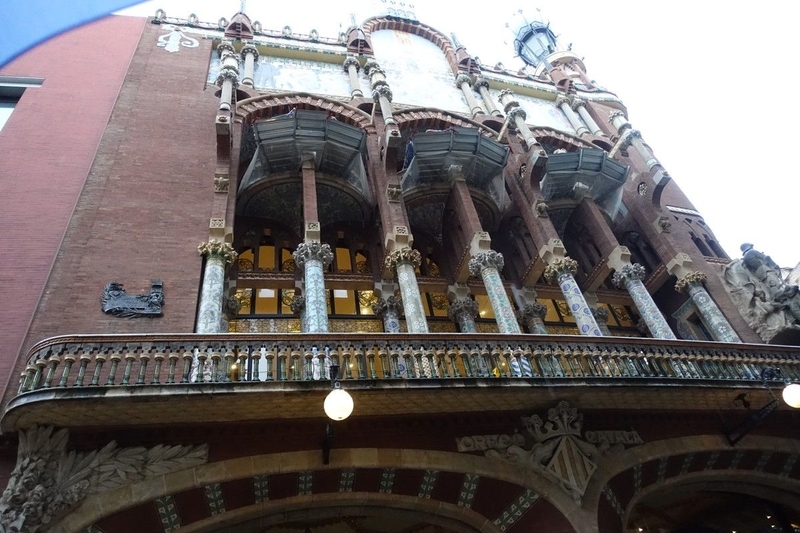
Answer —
(709, 84)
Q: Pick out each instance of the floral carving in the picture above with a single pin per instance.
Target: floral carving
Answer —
(483, 260)
(392, 304)
(534, 310)
(632, 271)
(460, 307)
(403, 255)
(313, 251)
(560, 266)
(690, 279)
(218, 248)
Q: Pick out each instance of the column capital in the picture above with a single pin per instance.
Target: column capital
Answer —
(560, 266)
(224, 47)
(692, 278)
(600, 313)
(484, 260)
(615, 114)
(218, 248)
(371, 65)
(561, 100)
(250, 49)
(228, 74)
(630, 271)
(313, 251)
(533, 310)
(351, 61)
(298, 304)
(516, 112)
(481, 82)
(381, 90)
(577, 102)
(391, 303)
(463, 306)
(462, 78)
(403, 255)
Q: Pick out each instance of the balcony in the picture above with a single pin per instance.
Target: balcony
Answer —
(105, 380)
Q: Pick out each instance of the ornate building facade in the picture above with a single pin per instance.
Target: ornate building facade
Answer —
(537, 328)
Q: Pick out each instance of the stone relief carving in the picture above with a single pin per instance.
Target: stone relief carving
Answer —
(769, 305)
(115, 301)
(48, 480)
(554, 448)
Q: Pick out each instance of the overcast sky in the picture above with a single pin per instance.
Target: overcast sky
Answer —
(709, 85)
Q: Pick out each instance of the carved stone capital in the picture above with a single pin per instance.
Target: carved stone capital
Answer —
(461, 79)
(351, 61)
(228, 74)
(403, 255)
(561, 100)
(231, 306)
(632, 271)
(224, 48)
(483, 260)
(600, 314)
(218, 248)
(313, 251)
(462, 306)
(48, 480)
(534, 310)
(382, 90)
(515, 113)
(250, 49)
(392, 303)
(370, 65)
(616, 114)
(221, 183)
(481, 82)
(298, 304)
(576, 103)
(560, 266)
(691, 278)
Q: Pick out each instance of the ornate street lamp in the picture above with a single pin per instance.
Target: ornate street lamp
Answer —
(338, 405)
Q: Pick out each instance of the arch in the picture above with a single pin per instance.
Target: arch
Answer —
(415, 28)
(99, 506)
(268, 105)
(559, 139)
(417, 118)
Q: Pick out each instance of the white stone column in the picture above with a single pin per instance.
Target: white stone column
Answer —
(381, 92)
(403, 262)
(464, 82)
(718, 325)
(488, 265)
(562, 271)
(630, 276)
(218, 255)
(482, 86)
(228, 78)
(249, 54)
(565, 105)
(579, 106)
(352, 66)
(516, 116)
(314, 258)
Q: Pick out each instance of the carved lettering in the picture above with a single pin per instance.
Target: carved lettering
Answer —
(613, 437)
(477, 443)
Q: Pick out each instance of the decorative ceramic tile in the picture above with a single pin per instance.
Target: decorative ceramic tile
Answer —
(214, 499)
(515, 511)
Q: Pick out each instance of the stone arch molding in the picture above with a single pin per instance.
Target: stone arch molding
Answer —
(268, 105)
(97, 506)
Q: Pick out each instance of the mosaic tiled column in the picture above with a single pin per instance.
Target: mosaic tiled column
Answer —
(533, 317)
(218, 256)
(463, 313)
(718, 325)
(482, 86)
(488, 265)
(562, 271)
(600, 315)
(298, 307)
(388, 309)
(404, 261)
(314, 258)
(630, 277)
(351, 66)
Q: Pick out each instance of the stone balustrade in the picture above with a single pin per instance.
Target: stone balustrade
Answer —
(172, 360)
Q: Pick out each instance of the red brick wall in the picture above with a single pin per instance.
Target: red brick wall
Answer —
(46, 150)
(146, 202)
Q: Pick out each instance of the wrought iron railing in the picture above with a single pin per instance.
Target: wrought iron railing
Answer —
(164, 359)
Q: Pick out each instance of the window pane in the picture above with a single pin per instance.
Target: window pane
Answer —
(484, 306)
(344, 302)
(266, 302)
(266, 257)
(343, 263)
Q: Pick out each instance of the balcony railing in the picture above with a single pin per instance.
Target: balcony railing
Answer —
(170, 360)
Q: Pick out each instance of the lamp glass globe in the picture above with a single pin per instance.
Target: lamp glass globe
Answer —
(791, 395)
(338, 404)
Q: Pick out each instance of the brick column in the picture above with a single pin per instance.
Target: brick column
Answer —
(718, 325)
(488, 265)
(631, 276)
(463, 313)
(249, 54)
(562, 270)
(403, 262)
(314, 258)
(352, 66)
(218, 255)
(388, 309)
